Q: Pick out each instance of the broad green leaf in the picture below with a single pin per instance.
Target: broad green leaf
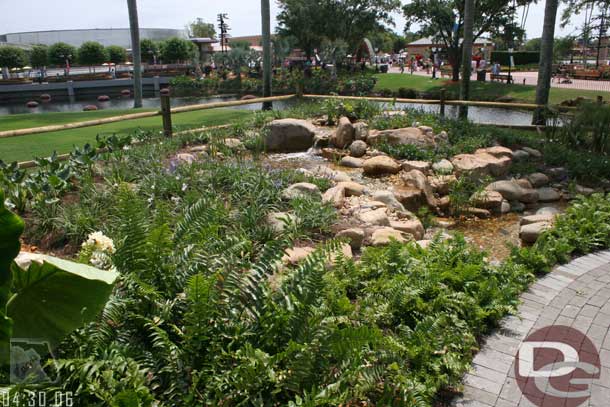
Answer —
(52, 297)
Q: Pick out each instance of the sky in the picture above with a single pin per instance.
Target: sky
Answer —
(244, 15)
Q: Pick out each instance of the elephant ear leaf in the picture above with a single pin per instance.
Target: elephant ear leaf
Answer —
(53, 297)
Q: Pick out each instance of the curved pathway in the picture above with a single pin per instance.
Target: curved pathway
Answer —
(577, 295)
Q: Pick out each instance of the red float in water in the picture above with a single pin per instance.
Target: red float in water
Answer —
(45, 97)
(126, 92)
(103, 98)
(248, 97)
(32, 104)
(165, 91)
(89, 108)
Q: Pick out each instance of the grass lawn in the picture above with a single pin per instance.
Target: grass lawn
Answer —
(480, 90)
(39, 145)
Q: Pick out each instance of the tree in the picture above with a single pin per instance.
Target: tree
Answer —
(595, 24)
(240, 44)
(92, 53)
(533, 45)
(467, 55)
(201, 29)
(563, 48)
(60, 52)
(177, 50)
(309, 22)
(11, 57)
(149, 50)
(116, 54)
(543, 87)
(134, 28)
(443, 20)
(39, 56)
(266, 31)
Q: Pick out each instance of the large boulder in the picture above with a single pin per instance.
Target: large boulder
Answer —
(361, 131)
(289, 135)
(389, 199)
(344, 135)
(416, 179)
(481, 164)
(410, 197)
(423, 166)
(531, 232)
(354, 236)
(532, 152)
(380, 165)
(351, 162)
(358, 148)
(512, 191)
(496, 151)
(487, 200)
(443, 166)
(404, 136)
(413, 227)
(538, 179)
(352, 188)
(334, 196)
(547, 194)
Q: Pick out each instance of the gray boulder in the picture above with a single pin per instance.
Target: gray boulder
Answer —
(289, 135)
(344, 135)
(358, 148)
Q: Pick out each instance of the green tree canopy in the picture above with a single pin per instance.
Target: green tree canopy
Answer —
(310, 22)
(240, 44)
(533, 44)
(39, 56)
(116, 54)
(148, 48)
(201, 29)
(177, 49)
(92, 53)
(444, 21)
(59, 52)
(12, 57)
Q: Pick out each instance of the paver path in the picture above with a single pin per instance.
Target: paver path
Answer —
(577, 295)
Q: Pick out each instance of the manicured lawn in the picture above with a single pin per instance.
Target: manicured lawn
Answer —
(39, 145)
(480, 90)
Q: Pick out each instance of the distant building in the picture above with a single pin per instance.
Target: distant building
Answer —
(105, 36)
(423, 46)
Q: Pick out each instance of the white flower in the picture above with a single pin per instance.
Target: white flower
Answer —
(184, 187)
(100, 242)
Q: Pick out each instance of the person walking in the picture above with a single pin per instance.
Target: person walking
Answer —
(402, 66)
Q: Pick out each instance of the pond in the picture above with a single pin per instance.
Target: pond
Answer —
(475, 114)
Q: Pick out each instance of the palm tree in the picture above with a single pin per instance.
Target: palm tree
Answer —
(266, 26)
(546, 60)
(467, 55)
(134, 27)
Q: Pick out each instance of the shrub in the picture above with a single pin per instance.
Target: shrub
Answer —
(175, 50)
(39, 56)
(92, 53)
(60, 52)
(116, 54)
(12, 57)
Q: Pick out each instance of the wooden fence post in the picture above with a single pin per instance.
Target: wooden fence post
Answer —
(442, 112)
(166, 113)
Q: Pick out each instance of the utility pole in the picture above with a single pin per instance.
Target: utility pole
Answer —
(224, 29)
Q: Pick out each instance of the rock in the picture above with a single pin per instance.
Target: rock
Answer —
(199, 149)
(532, 152)
(322, 138)
(426, 129)
(352, 188)
(358, 148)
(325, 172)
(524, 183)
(548, 218)
(405, 136)
(496, 151)
(289, 135)
(548, 210)
(411, 198)
(423, 166)
(354, 237)
(441, 184)
(418, 180)
(233, 144)
(530, 233)
(529, 196)
(296, 255)
(332, 154)
(443, 167)
(389, 199)
(488, 200)
(478, 212)
(442, 137)
(340, 176)
(509, 190)
(385, 236)
(548, 194)
(380, 165)
(334, 196)
(505, 208)
(538, 179)
(361, 131)
(345, 250)
(482, 164)
(580, 190)
(413, 227)
(278, 221)
(558, 173)
(300, 190)
(520, 155)
(186, 158)
(344, 135)
(351, 162)
(373, 205)
(88, 108)
(516, 206)
(376, 217)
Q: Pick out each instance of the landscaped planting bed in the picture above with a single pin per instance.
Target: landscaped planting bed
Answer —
(253, 279)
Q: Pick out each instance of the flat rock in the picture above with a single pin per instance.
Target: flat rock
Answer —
(186, 158)
(289, 135)
(405, 136)
(423, 166)
(532, 152)
(547, 194)
(443, 167)
(233, 144)
(530, 233)
(538, 179)
(385, 236)
(510, 190)
(482, 164)
(487, 200)
(520, 155)
(351, 162)
(376, 217)
(548, 210)
(411, 198)
(380, 165)
(496, 151)
(389, 199)
(296, 254)
(300, 190)
(548, 218)
(335, 196)
(413, 227)
(352, 188)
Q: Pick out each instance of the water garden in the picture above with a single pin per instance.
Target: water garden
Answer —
(335, 252)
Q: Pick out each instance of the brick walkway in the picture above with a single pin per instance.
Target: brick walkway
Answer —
(576, 295)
